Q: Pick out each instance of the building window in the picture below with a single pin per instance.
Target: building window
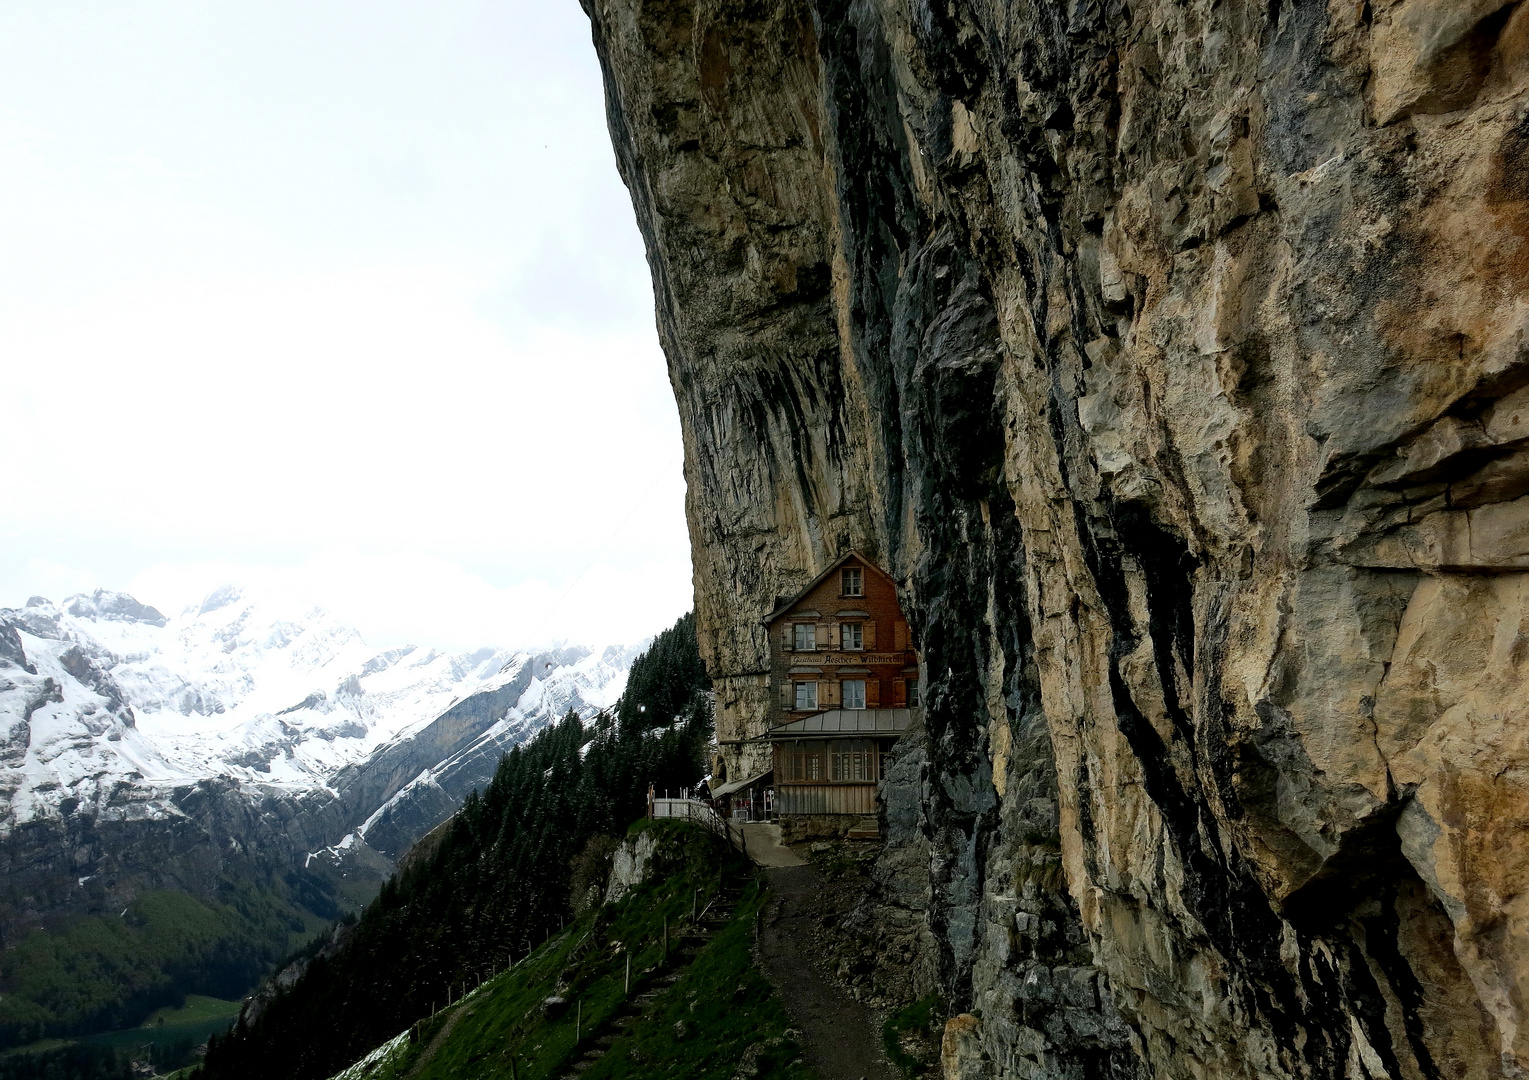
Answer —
(806, 696)
(851, 583)
(912, 685)
(806, 637)
(853, 763)
(852, 636)
(854, 693)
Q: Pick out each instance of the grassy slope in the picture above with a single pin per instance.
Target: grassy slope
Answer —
(502, 1031)
(108, 973)
(197, 1008)
(167, 1037)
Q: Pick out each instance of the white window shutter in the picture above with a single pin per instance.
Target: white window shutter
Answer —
(833, 635)
(822, 635)
(785, 636)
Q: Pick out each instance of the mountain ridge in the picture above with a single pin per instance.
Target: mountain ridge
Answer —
(239, 742)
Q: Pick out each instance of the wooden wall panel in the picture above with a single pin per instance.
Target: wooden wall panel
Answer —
(825, 799)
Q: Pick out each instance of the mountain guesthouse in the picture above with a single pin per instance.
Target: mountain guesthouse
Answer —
(844, 687)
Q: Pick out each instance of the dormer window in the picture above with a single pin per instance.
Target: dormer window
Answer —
(804, 637)
(852, 635)
(851, 583)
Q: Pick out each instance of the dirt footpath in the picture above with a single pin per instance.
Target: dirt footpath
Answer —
(763, 844)
(840, 1037)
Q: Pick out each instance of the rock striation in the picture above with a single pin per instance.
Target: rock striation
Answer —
(1172, 358)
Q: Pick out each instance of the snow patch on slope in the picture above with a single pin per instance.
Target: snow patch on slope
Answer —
(110, 705)
(586, 683)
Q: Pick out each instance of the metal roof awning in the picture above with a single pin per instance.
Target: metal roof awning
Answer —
(837, 723)
(737, 785)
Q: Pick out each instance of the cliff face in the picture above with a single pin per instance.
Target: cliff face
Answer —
(1172, 358)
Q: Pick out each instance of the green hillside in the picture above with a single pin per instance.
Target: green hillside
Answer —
(109, 973)
(509, 870)
(697, 1011)
(164, 1041)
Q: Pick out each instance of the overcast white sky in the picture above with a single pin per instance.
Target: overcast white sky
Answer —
(336, 298)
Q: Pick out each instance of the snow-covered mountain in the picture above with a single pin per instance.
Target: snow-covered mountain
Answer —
(113, 713)
(239, 689)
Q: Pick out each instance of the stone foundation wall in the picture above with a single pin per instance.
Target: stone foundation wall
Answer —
(798, 827)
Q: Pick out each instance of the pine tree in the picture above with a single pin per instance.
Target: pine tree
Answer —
(499, 878)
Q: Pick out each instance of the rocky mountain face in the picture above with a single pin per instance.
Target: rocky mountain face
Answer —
(237, 740)
(1172, 358)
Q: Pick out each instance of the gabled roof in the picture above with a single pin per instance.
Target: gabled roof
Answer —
(781, 609)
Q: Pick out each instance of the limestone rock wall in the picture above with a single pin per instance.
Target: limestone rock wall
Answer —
(1172, 359)
(629, 866)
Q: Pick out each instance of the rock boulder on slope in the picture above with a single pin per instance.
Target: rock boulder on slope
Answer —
(1172, 359)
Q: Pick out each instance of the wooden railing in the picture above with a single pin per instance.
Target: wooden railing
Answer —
(700, 813)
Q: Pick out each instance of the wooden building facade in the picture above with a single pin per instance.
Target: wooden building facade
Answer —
(842, 643)
(844, 686)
